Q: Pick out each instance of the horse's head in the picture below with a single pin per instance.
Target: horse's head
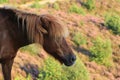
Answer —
(49, 32)
(55, 42)
(60, 50)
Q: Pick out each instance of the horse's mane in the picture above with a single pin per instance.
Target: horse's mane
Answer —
(37, 25)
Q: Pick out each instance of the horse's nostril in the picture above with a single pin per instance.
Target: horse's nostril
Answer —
(70, 60)
(73, 58)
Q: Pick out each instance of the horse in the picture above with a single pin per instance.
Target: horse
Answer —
(19, 28)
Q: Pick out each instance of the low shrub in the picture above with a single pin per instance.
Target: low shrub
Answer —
(112, 21)
(74, 8)
(3, 1)
(90, 4)
(33, 49)
(36, 5)
(56, 6)
(79, 39)
(52, 70)
(77, 71)
(101, 51)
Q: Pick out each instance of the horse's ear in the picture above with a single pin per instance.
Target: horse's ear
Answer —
(46, 21)
(41, 29)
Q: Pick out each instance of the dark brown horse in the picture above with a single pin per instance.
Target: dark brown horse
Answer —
(18, 28)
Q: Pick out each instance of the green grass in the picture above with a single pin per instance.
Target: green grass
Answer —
(22, 78)
(101, 51)
(36, 5)
(56, 6)
(3, 1)
(81, 23)
(79, 39)
(90, 4)
(112, 21)
(118, 0)
(33, 49)
(53, 70)
(74, 8)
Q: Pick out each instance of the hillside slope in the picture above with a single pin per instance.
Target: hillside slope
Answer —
(87, 30)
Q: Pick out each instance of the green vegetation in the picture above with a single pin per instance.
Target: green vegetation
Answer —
(118, 0)
(79, 39)
(3, 1)
(51, 70)
(33, 49)
(90, 4)
(22, 78)
(86, 16)
(56, 6)
(101, 51)
(112, 21)
(36, 5)
(74, 8)
(81, 23)
(54, 71)
(76, 72)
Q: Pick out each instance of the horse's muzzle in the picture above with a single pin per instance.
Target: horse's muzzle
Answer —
(70, 60)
